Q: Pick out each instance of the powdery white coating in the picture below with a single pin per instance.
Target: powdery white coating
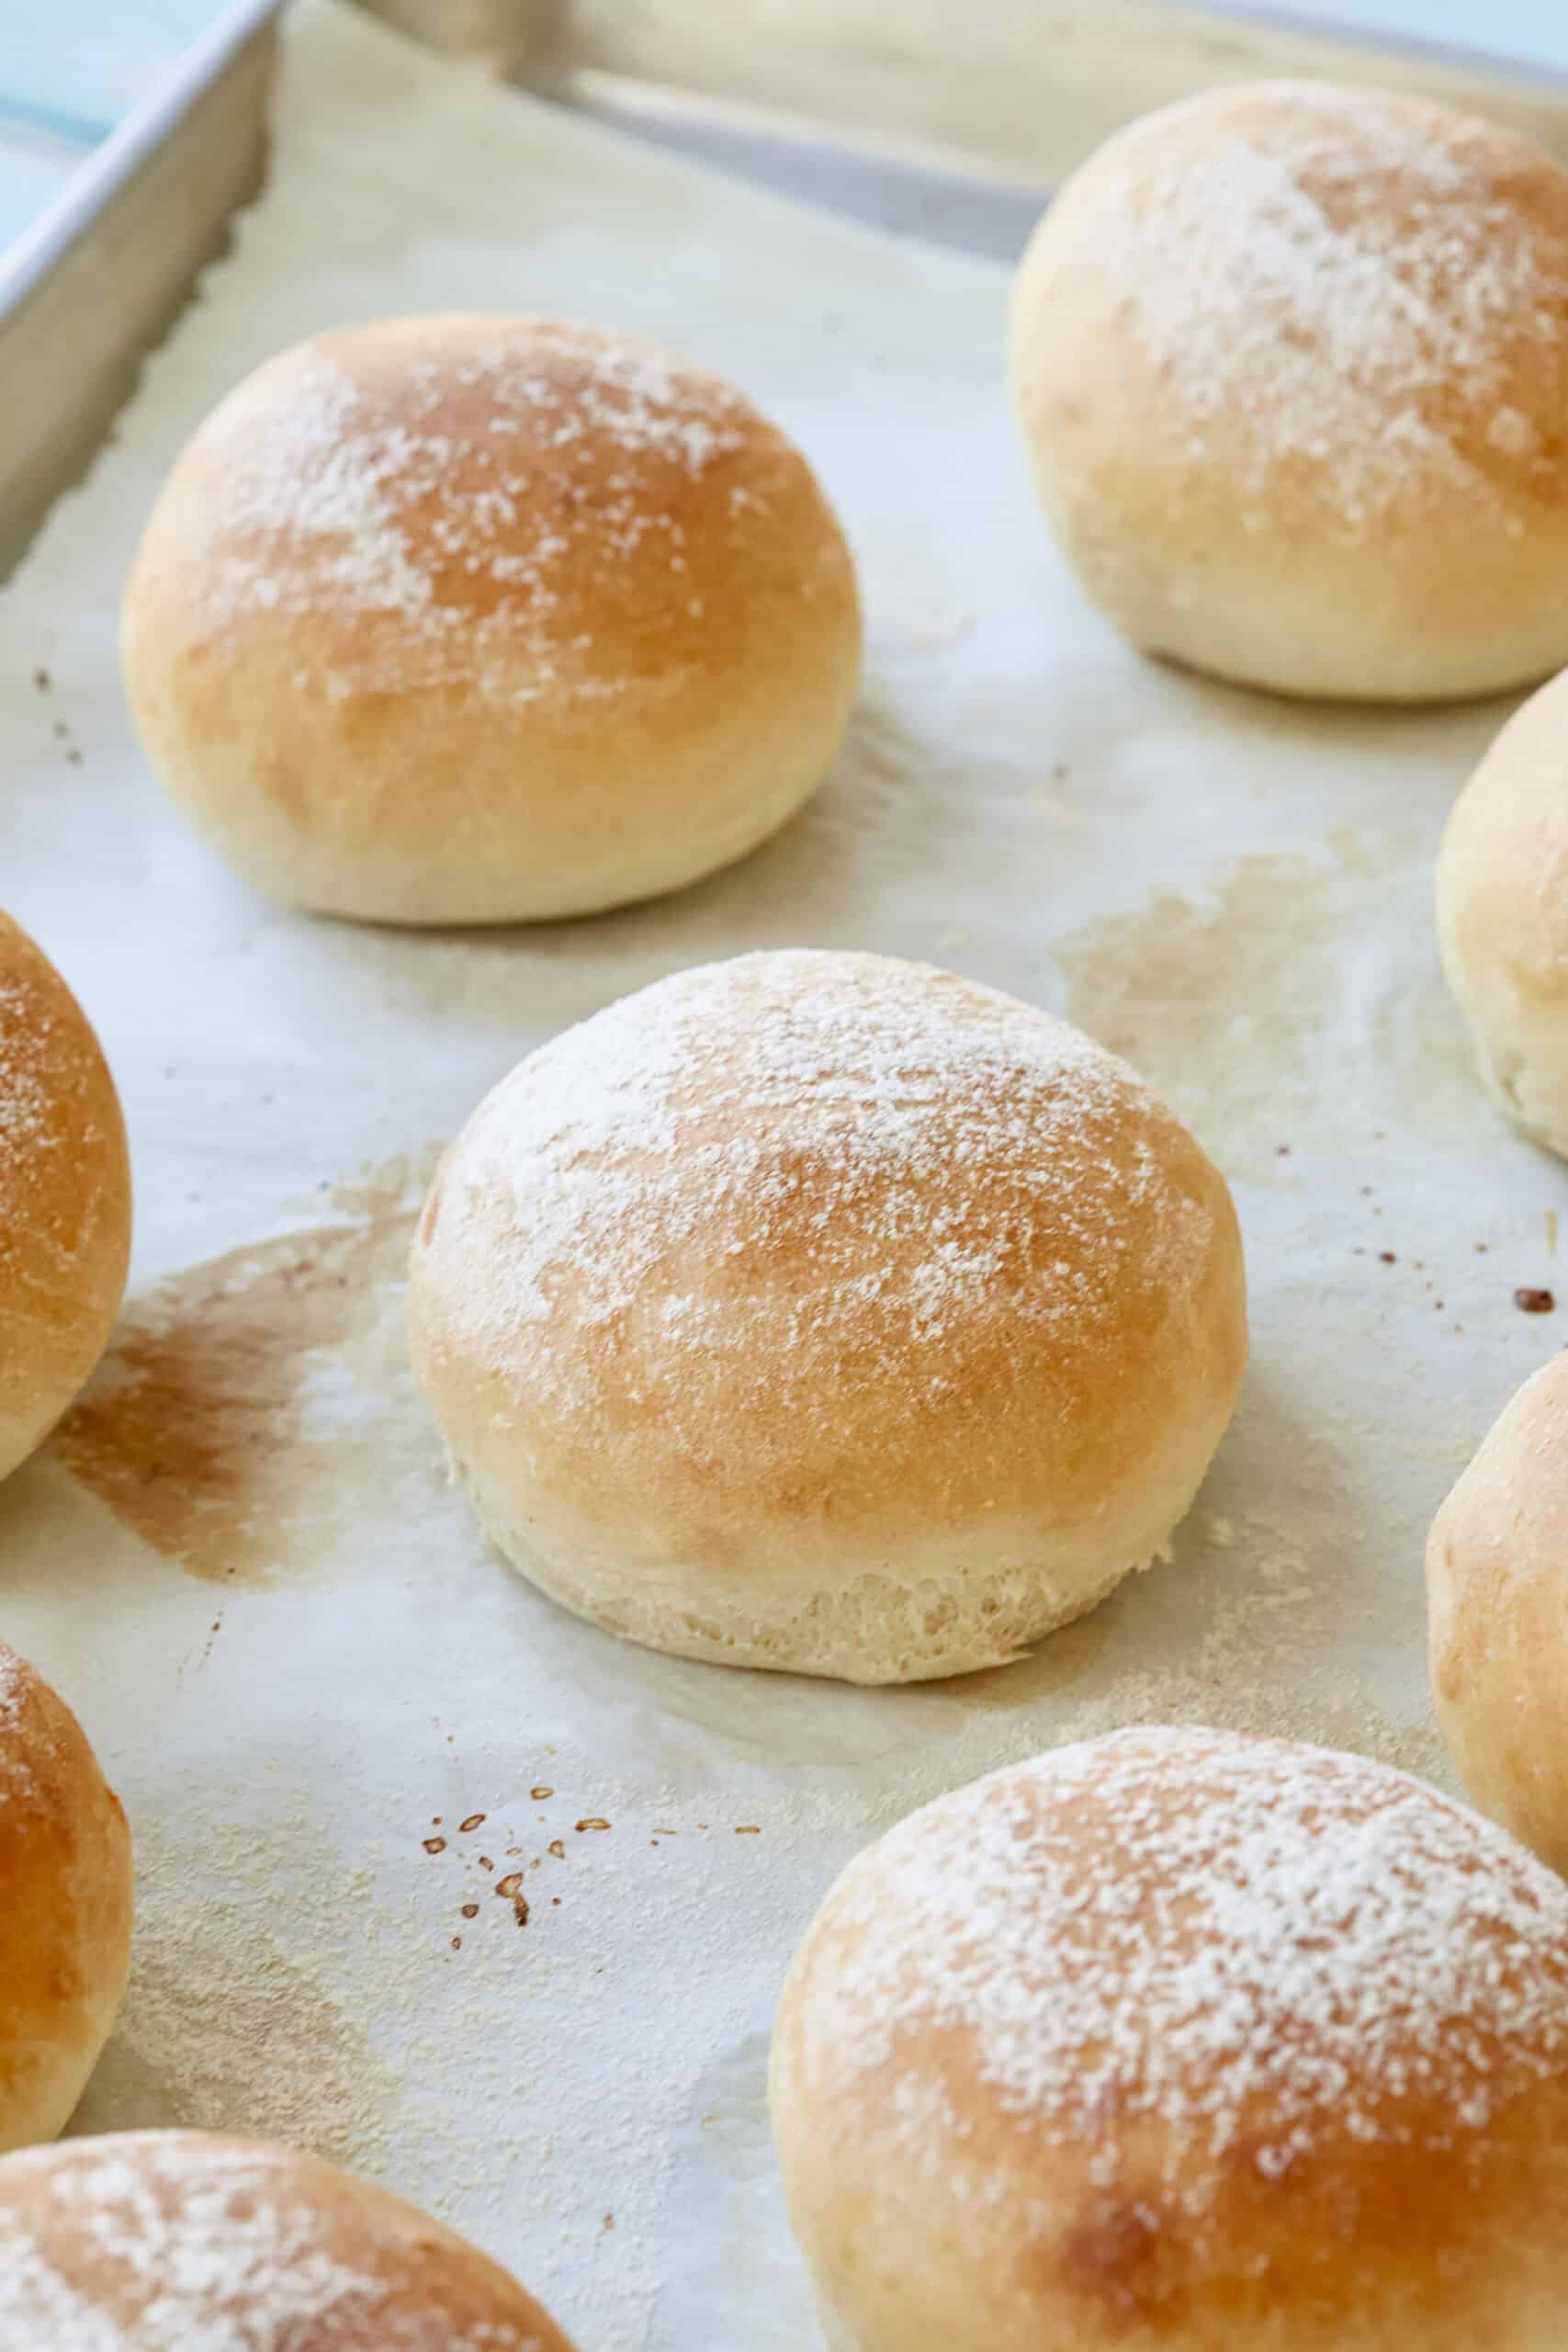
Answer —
(15, 1741)
(1357, 292)
(817, 1099)
(324, 505)
(216, 2244)
(25, 1032)
(1235, 1938)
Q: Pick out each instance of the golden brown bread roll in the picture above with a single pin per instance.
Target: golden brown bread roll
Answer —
(1178, 2041)
(1498, 1593)
(1502, 915)
(65, 1879)
(1290, 362)
(829, 1313)
(64, 1196)
(194, 2242)
(478, 619)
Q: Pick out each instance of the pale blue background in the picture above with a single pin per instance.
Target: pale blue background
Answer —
(1536, 29)
(71, 69)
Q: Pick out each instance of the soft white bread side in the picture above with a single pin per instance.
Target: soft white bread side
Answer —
(478, 619)
(1178, 2041)
(1498, 1590)
(829, 1313)
(1290, 362)
(1502, 915)
(175, 2241)
(65, 1197)
(65, 1869)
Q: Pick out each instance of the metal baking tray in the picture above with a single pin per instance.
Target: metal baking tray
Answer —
(880, 113)
(1010, 93)
(106, 269)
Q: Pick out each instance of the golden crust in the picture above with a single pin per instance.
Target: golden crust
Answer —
(940, 2212)
(178, 2234)
(65, 1865)
(64, 1196)
(1501, 901)
(474, 619)
(799, 1382)
(1502, 905)
(1496, 1581)
(1292, 364)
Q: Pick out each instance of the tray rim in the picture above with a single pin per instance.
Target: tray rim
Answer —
(93, 188)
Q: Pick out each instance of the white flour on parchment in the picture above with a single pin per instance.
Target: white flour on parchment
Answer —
(298, 1662)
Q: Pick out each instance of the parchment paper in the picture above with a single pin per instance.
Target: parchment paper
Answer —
(239, 1560)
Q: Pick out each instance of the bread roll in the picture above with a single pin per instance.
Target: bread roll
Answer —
(193, 2241)
(474, 619)
(829, 1313)
(1290, 362)
(1178, 2041)
(1502, 915)
(1497, 1593)
(65, 1197)
(66, 1917)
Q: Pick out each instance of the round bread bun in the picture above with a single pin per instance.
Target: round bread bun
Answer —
(479, 620)
(65, 1197)
(179, 2240)
(1290, 362)
(1178, 2041)
(65, 1921)
(1496, 1588)
(829, 1313)
(1502, 915)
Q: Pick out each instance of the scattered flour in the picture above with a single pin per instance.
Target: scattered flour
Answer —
(142, 2243)
(1238, 1938)
(1352, 284)
(805, 1159)
(27, 1039)
(501, 516)
(15, 1675)
(20, 1736)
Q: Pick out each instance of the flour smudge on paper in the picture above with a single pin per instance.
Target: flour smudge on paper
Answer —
(1223, 1003)
(243, 1400)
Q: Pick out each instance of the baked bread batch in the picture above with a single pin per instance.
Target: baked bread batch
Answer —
(832, 1314)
